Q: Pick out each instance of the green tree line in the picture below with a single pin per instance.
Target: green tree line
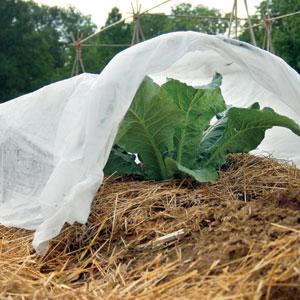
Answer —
(35, 40)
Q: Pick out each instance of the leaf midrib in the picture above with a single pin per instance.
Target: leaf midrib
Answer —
(183, 134)
(157, 153)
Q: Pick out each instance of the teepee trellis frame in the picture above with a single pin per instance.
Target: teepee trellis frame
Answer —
(138, 35)
(78, 61)
(268, 45)
(234, 19)
(268, 30)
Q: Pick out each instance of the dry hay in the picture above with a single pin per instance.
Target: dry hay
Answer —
(238, 238)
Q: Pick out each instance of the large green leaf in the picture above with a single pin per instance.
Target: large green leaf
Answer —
(148, 128)
(201, 175)
(240, 130)
(122, 163)
(198, 107)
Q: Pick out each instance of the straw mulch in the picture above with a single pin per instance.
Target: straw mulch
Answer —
(238, 238)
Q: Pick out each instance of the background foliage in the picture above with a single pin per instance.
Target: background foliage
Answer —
(33, 42)
(35, 39)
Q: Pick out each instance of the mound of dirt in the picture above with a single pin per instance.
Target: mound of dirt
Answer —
(237, 238)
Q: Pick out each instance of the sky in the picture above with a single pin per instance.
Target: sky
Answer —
(99, 9)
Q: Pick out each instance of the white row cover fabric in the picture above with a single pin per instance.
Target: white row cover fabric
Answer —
(55, 142)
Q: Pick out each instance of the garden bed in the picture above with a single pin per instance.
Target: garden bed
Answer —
(238, 238)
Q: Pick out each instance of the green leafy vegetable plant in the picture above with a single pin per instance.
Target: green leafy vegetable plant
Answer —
(170, 129)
